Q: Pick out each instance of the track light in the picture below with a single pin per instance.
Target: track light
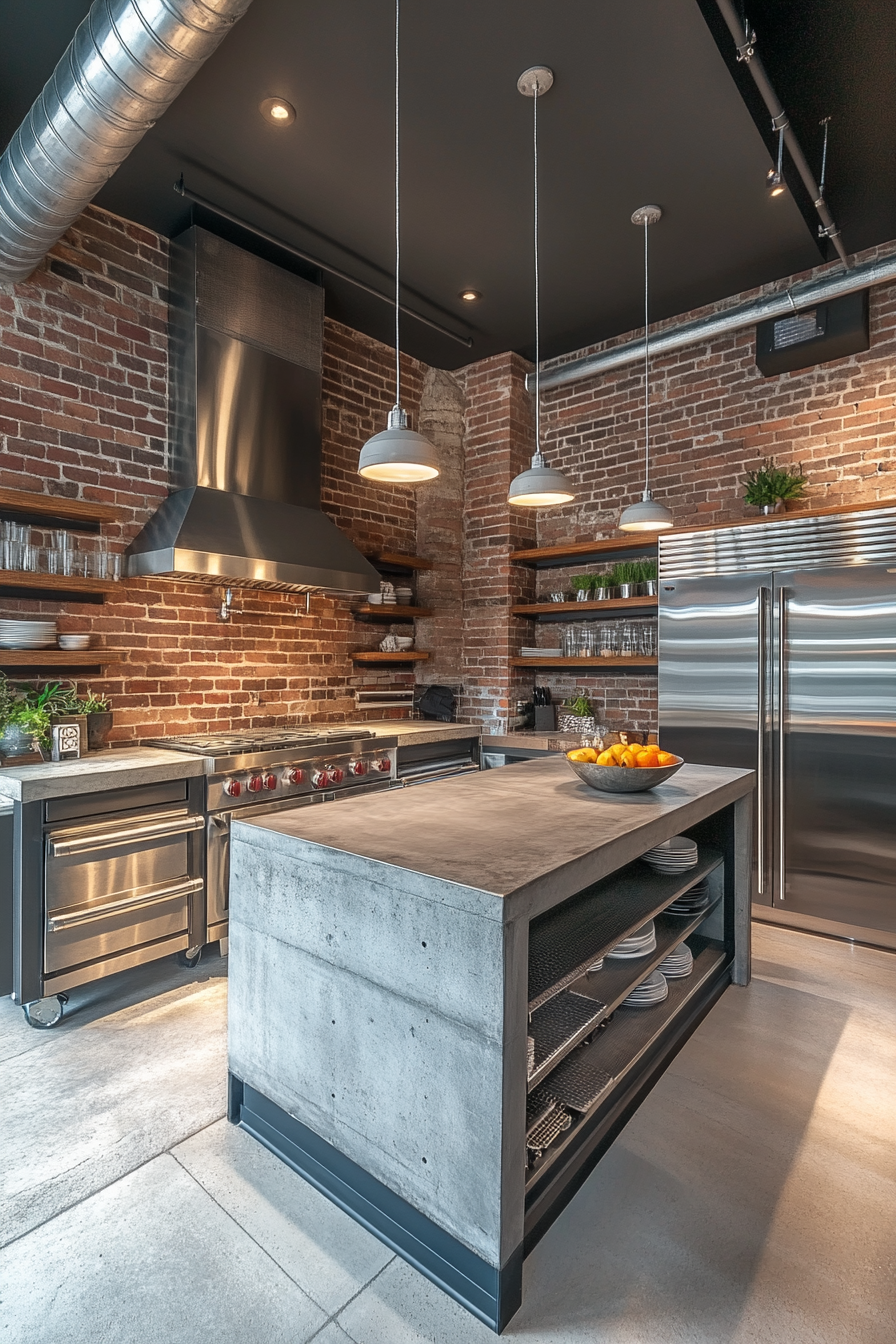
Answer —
(774, 183)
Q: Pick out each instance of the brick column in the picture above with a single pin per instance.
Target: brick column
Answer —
(440, 536)
(498, 444)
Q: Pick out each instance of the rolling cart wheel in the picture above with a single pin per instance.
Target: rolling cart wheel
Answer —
(45, 1013)
(189, 958)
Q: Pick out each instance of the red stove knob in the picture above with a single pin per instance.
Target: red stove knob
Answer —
(320, 779)
(255, 784)
(269, 781)
(357, 768)
(233, 788)
(385, 765)
(337, 775)
(295, 775)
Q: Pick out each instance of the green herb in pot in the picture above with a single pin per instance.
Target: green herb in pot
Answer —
(770, 485)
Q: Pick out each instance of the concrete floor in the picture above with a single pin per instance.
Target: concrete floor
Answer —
(752, 1198)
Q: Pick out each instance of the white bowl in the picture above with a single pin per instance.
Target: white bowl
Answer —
(404, 642)
(74, 641)
(375, 599)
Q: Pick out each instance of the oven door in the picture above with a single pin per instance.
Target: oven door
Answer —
(116, 885)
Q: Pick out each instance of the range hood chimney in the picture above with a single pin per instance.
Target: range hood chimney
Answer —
(246, 341)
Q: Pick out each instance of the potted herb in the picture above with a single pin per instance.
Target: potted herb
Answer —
(626, 576)
(99, 719)
(601, 588)
(647, 578)
(576, 715)
(770, 487)
(26, 730)
(581, 584)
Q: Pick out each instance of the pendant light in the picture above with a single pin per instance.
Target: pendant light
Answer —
(647, 515)
(541, 487)
(398, 455)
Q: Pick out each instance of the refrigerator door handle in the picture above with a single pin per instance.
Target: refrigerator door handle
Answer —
(782, 710)
(764, 596)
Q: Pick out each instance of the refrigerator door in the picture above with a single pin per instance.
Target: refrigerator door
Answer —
(835, 751)
(715, 684)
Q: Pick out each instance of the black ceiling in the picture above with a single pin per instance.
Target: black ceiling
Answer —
(645, 107)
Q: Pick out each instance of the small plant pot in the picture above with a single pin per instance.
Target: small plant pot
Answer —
(647, 588)
(99, 725)
(583, 594)
(15, 741)
(627, 589)
(601, 594)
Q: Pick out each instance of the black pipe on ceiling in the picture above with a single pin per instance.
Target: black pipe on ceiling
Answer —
(745, 42)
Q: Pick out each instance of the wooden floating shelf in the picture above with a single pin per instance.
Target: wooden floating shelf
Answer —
(392, 560)
(392, 612)
(585, 608)
(62, 583)
(605, 663)
(53, 506)
(547, 557)
(60, 657)
(399, 656)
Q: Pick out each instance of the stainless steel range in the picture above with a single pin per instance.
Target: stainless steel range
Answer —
(262, 770)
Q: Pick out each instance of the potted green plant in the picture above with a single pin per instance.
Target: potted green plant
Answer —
(770, 487)
(576, 715)
(26, 725)
(581, 585)
(647, 578)
(99, 719)
(601, 589)
(626, 576)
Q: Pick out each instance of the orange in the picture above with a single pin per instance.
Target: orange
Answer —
(583, 754)
(628, 759)
(606, 758)
(667, 758)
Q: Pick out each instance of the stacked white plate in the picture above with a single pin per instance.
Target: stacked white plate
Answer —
(637, 944)
(679, 963)
(595, 966)
(27, 634)
(650, 991)
(692, 901)
(672, 856)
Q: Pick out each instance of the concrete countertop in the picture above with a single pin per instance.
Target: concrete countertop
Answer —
(534, 833)
(417, 730)
(528, 740)
(114, 769)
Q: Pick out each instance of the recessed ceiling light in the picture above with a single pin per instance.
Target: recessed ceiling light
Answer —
(470, 295)
(277, 111)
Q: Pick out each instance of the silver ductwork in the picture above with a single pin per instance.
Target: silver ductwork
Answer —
(126, 64)
(807, 294)
(246, 344)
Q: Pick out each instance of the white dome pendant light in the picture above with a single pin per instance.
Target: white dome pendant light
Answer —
(398, 455)
(541, 486)
(647, 515)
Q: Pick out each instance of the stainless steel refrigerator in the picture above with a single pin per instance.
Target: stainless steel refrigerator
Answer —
(777, 645)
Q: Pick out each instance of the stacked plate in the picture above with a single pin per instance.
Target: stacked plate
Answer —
(637, 944)
(595, 966)
(692, 901)
(679, 963)
(650, 991)
(27, 634)
(672, 856)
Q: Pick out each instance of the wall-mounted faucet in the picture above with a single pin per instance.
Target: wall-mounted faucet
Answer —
(226, 606)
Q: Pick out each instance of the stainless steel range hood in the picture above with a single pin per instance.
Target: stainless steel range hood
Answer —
(244, 423)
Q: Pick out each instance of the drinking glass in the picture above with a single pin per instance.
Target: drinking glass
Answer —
(585, 641)
(569, 641)
(609, 639)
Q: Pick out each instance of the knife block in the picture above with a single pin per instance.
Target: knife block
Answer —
(545, 718)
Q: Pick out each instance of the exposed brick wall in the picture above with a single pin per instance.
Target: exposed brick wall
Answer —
(83, 387)
(713, 415)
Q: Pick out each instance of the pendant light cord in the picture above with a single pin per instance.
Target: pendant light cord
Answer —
(397, 218)
(646, 367)
(537, 308)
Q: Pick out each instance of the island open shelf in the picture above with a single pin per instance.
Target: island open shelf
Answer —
(391, 959)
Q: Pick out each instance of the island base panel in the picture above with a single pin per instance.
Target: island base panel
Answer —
(493, 1295)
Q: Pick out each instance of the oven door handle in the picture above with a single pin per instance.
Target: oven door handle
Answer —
(57, 922)
(96, 838)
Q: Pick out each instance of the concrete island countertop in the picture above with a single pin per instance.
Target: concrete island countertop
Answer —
(112, 769)
(534, 833)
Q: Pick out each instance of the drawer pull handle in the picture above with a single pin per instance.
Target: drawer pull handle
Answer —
(111, 839)
(58, 922)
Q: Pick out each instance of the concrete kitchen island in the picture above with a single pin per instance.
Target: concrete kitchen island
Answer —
(388, 961)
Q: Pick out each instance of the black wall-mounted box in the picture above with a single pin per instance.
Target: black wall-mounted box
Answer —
(813, 336)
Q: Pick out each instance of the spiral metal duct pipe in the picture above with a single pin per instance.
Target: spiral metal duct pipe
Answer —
(125, 65)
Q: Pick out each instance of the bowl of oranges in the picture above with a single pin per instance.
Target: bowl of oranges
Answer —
(624, 767)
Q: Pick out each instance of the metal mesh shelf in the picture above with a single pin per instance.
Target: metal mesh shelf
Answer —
(565, 942)
(618, 1048)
